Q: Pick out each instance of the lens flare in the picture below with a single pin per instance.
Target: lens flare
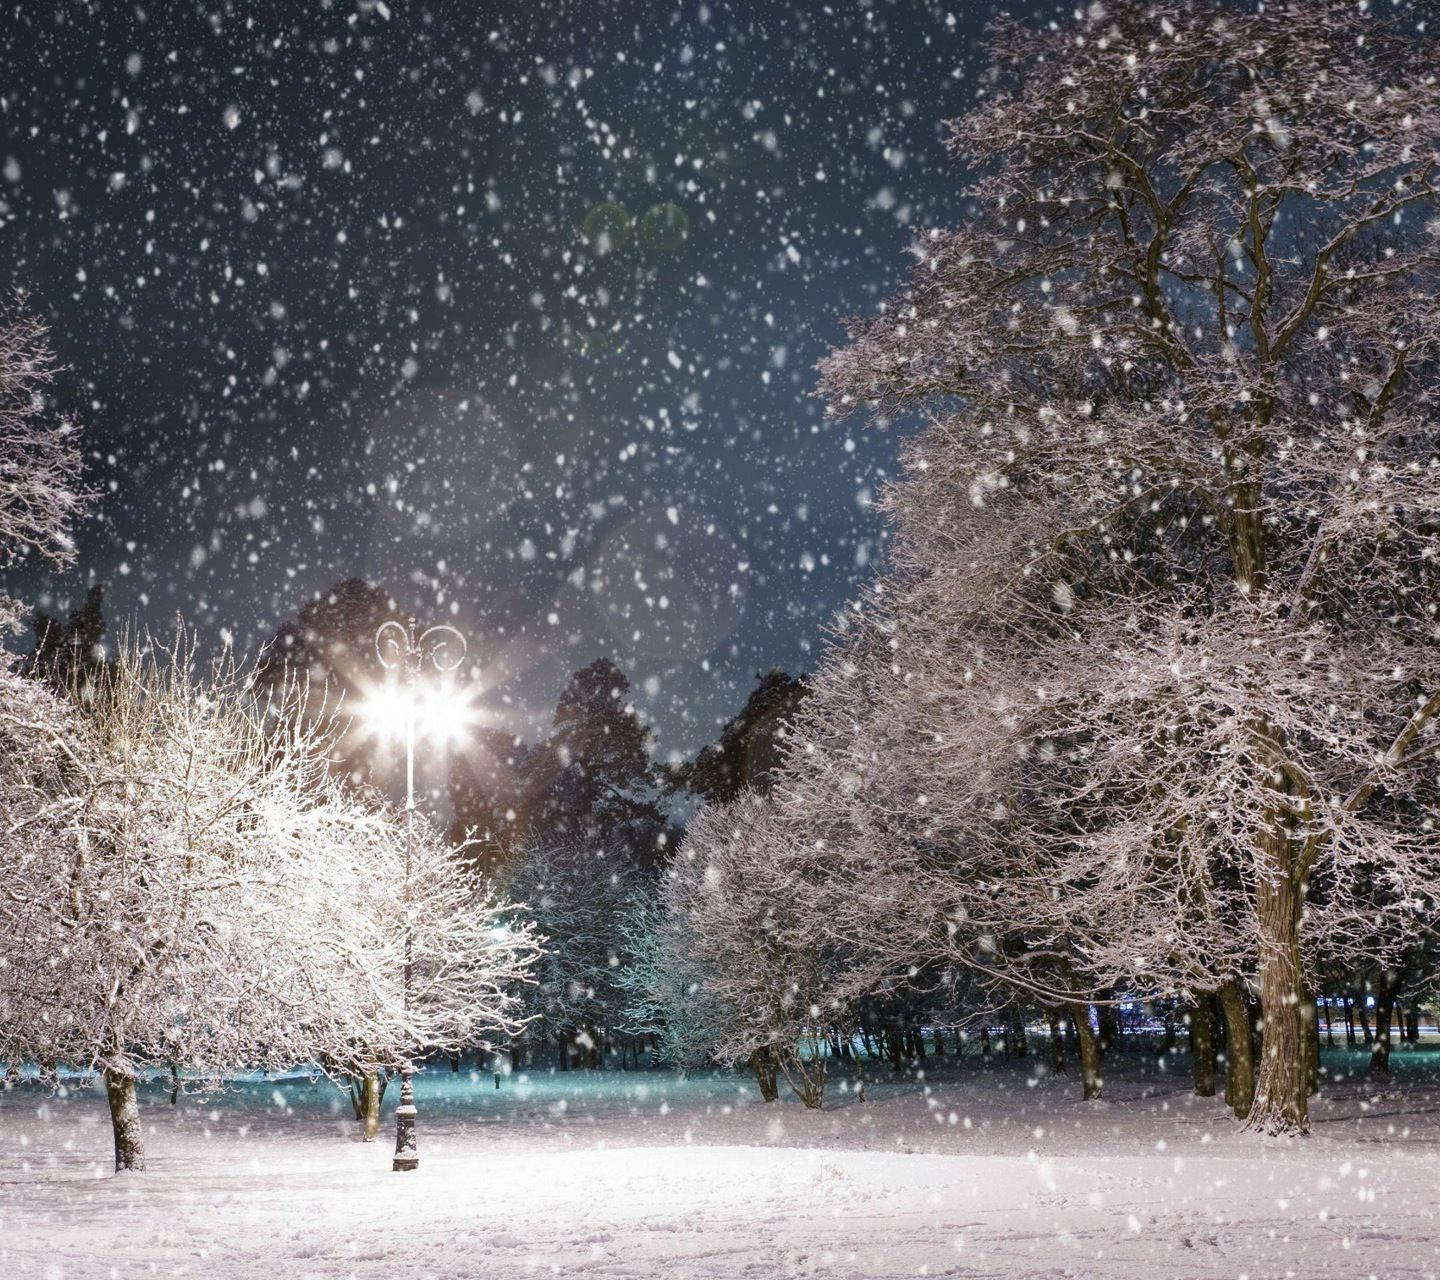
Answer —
(441, 714)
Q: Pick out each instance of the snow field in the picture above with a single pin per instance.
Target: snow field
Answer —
(638, 1175)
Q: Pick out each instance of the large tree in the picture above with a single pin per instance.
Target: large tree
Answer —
(69, 654)
(590, 783)
(751, 745)
(1160, 616)
(330, 647)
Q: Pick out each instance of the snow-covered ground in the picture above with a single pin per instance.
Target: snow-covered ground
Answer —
(971, 1171)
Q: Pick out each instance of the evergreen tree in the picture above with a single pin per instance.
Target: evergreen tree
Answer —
(606, 789)
(749, 749)
(70, 655)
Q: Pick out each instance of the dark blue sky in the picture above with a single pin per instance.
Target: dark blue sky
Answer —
(351, 292)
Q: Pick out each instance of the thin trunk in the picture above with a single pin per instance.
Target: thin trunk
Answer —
(1057, 1042)
(1346, 1007)
(1329, 1027)
(1239, 1051)
(125, 1120)
(806, 1077)
(1362, 1012)
(1202, 1046)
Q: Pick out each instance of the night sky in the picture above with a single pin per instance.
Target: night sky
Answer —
(510, 308)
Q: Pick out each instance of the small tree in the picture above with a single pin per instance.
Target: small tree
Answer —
(738, 922)
(663, 989)
(191, 890)
(40, 488)
(577, 895)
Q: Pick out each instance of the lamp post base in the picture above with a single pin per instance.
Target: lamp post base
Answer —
(407, 1155)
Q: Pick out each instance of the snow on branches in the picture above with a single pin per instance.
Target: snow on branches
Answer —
(40, 490)
(191, 889)
(1150, 686)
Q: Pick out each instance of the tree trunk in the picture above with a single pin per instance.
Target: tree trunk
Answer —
(1107, 1017)
(1412, 1025)
(1384, 1015)
(1346, 1007)
(762, 1062)
(1239, 1051)
(370, 1105)
(1202, 1046)
(1310, 1043)
(985, 1046)
(806, 1077)
(1090, 1082)
(1280, 1104)
(1329, 1027)
(1016, 1040)
(1363, 1014)
(125, 1120)
(1057, 1043)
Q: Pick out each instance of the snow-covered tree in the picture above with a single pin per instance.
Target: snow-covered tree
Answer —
(1159, 630)
(740, 928)
(40, 490)
(663, 989)
(40, 484)
(190, 889)
(578, 896)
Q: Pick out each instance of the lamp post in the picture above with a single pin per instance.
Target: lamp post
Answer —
(399, 648)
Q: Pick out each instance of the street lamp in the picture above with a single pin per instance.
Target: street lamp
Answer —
(399, 648)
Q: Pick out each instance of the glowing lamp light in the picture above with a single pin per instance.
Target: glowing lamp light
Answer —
(404, 707)
(442, 714)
